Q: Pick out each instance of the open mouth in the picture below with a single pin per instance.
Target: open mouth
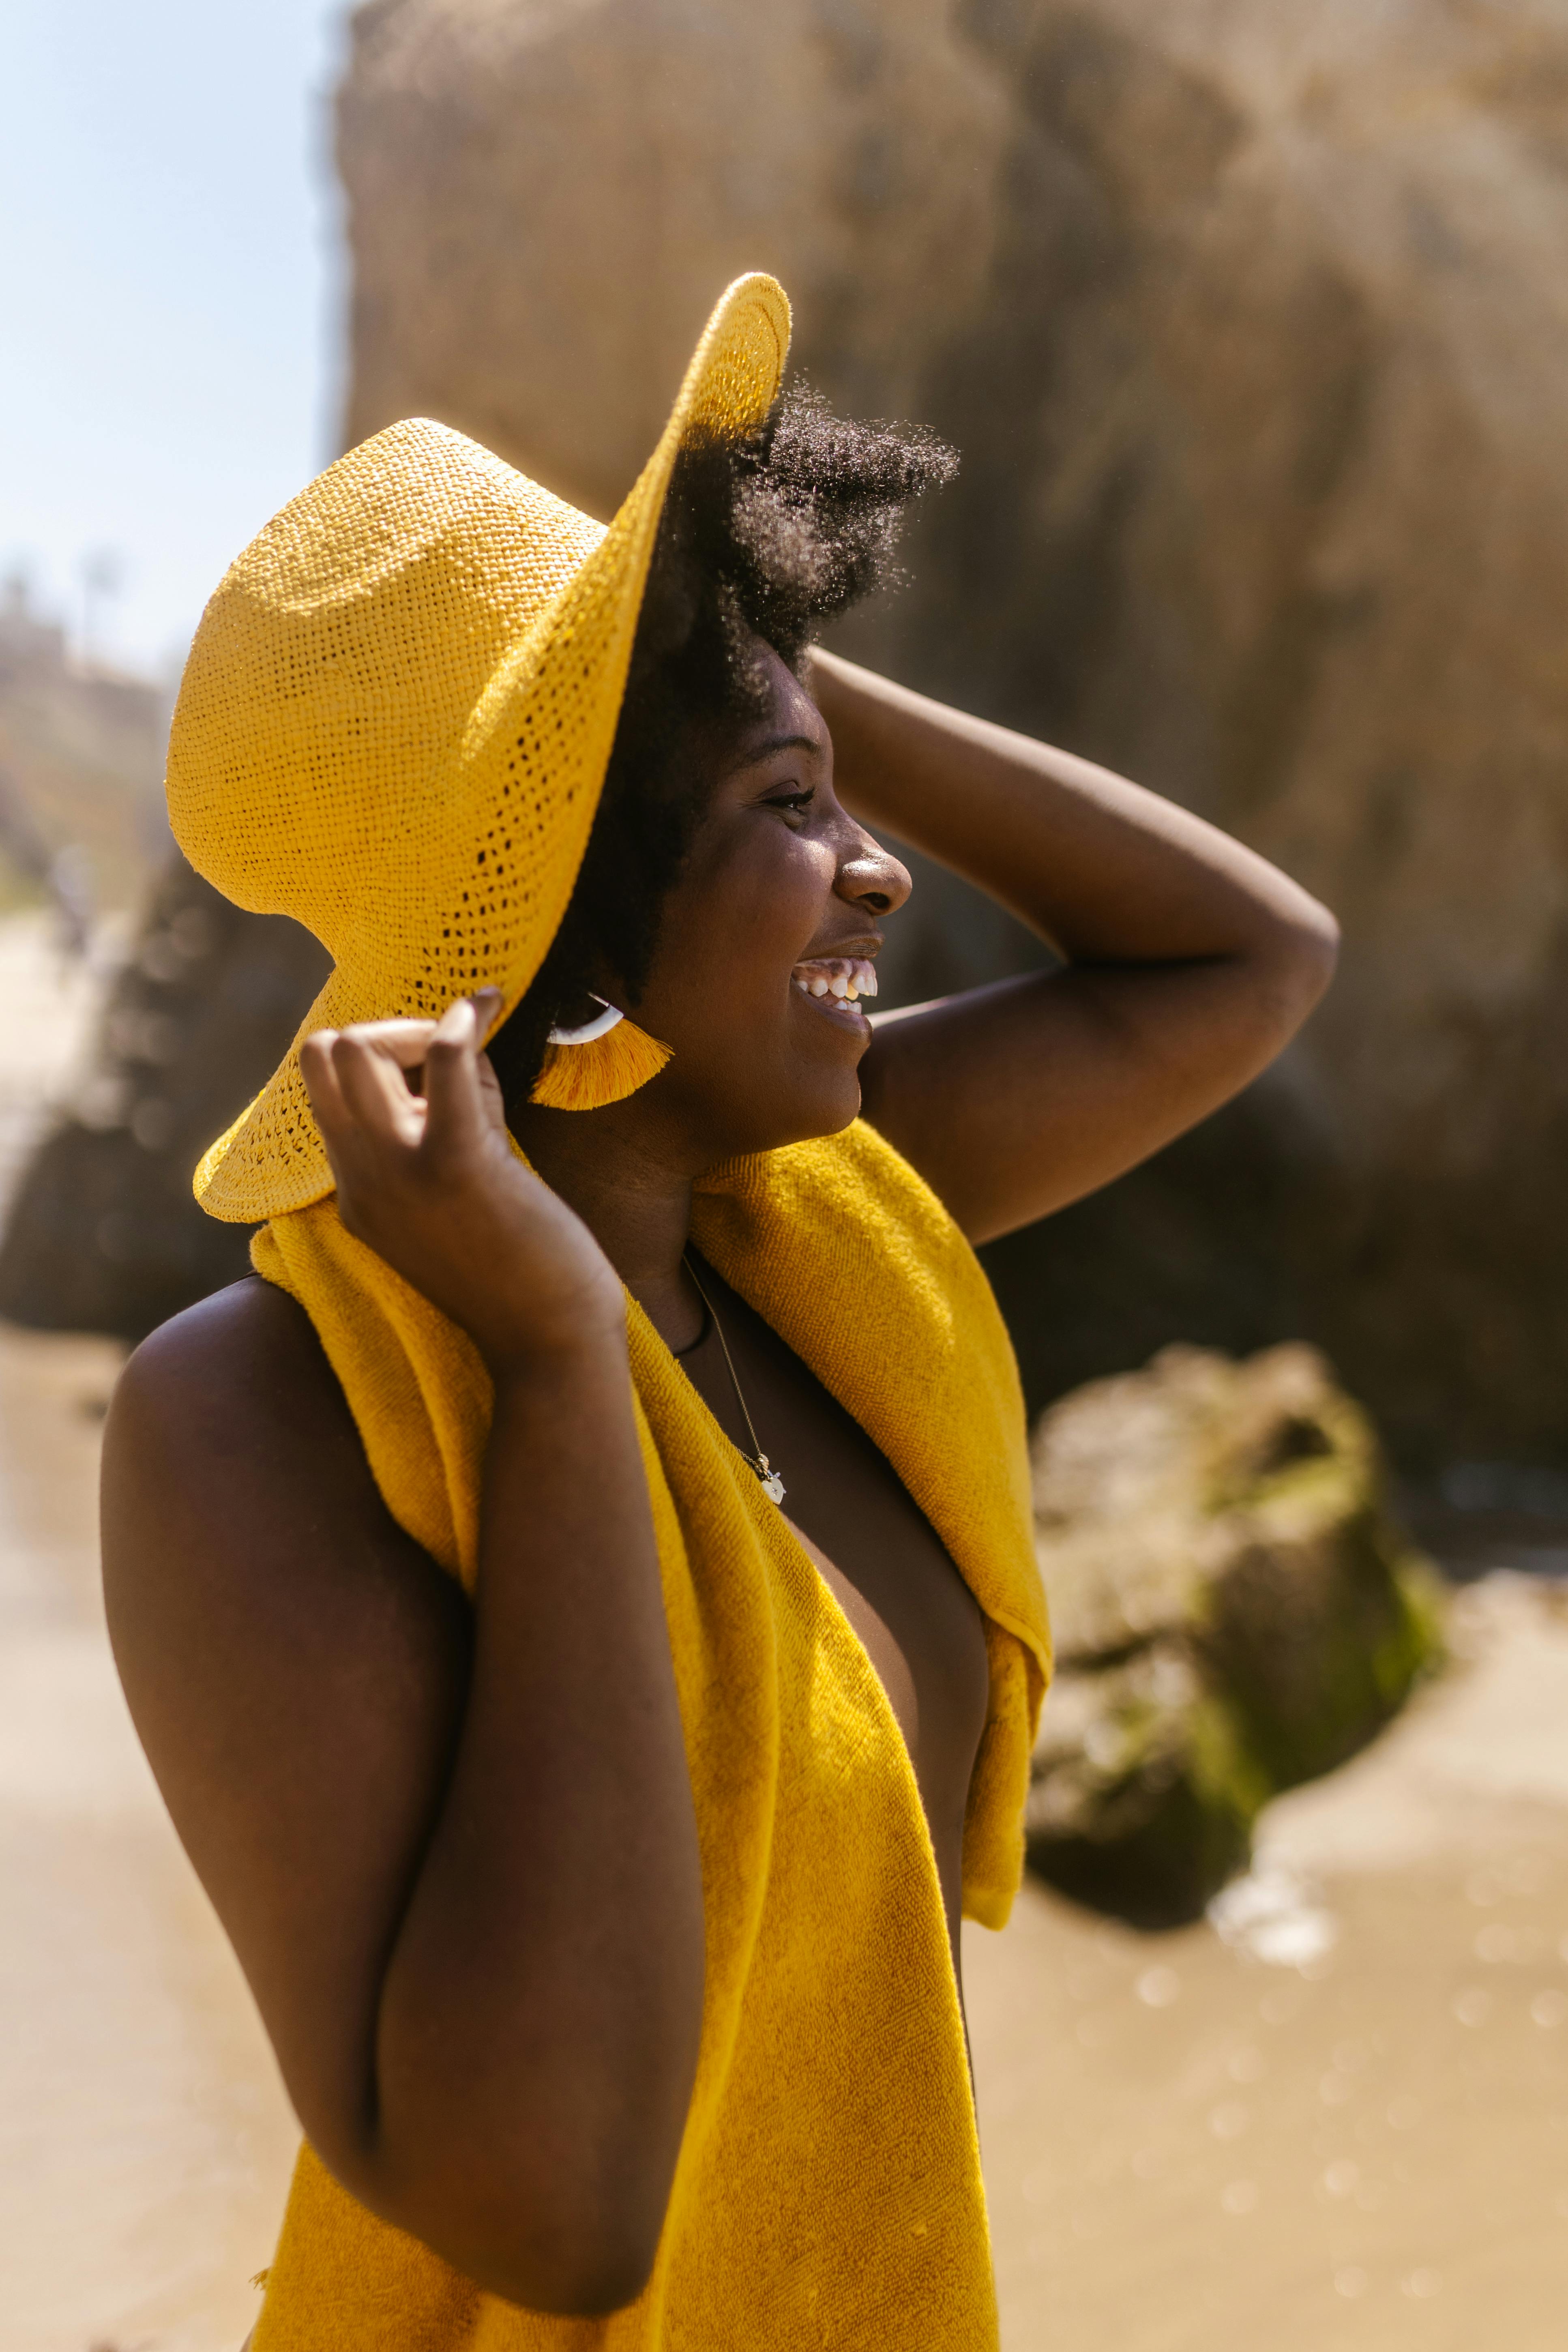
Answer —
(837, 981)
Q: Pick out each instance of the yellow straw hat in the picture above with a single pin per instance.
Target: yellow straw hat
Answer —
(396, 717)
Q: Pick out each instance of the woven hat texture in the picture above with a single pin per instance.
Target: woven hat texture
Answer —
(397, 713)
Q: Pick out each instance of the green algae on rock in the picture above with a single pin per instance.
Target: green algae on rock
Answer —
(1236, 1613)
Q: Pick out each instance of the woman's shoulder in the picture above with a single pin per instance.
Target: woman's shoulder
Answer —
(245, 1547)
(235, 1349)
(238, 1379)
(228, 1434)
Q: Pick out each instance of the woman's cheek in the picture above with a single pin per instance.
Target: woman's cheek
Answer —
(786, 892)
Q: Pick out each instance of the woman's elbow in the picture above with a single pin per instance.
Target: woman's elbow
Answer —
(595, 2232)
(572, 2247)
(602, 2278)
(590, 2281)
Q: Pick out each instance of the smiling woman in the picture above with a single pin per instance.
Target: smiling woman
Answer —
(761, 541)
(580, 1603)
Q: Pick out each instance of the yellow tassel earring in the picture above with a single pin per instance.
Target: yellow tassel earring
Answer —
(604, 1059)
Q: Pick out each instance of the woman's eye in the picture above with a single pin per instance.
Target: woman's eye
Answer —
(797, 802)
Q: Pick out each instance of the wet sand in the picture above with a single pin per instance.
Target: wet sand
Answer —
(143, 2139)
(1345, 2129)
(1186, 2144)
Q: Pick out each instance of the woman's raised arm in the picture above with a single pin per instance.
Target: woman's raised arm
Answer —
(1188, 960)
(455, 1851)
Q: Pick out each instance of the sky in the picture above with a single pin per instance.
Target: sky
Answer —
(170, 299)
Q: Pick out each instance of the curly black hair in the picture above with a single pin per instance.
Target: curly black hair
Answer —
(762, 539)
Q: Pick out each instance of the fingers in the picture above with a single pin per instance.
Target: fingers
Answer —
(452, 1089)
(402, 1043)
(332, 1117)
(375, 1086)
(320, 1076)
(358, 1078)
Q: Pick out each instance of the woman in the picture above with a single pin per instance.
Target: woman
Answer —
(580, 1607)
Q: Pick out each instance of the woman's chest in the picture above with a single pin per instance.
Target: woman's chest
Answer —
(918, 1622)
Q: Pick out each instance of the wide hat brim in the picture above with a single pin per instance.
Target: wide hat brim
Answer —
(454, 874)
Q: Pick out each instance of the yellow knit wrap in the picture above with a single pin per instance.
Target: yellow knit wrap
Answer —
(394, 726)
(829, 2194)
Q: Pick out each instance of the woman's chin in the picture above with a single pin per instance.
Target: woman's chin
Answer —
(825, 1106)
(793, 1109)
(765, 1091)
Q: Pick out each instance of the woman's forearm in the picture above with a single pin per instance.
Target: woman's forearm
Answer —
(1188, 960)
(1107, 872)
(538, 2032)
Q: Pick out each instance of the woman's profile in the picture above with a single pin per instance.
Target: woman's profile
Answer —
(578, 1597)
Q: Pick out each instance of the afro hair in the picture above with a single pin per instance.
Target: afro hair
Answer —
(764, 538)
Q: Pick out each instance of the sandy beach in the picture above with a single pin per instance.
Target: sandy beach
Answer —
(1340, 2124)
(143, 2136)
(1346, 2129)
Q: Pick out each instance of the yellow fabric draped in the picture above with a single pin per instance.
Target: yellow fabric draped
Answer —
(828, 2193)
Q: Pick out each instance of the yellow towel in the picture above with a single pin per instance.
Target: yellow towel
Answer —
(829, 2191)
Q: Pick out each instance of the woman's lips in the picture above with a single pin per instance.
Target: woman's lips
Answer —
(837, 981)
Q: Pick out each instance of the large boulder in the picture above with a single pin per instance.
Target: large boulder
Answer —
(103, 1234)
(1245, 319)
(1235, 1613)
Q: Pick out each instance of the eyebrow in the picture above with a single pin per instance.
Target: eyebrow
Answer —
(765, 749)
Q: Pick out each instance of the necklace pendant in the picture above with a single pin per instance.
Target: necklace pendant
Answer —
(767, 1477)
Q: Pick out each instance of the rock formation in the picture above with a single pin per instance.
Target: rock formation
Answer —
(81, 766)
(1234, 1613)
(103, 1234)
(1245, 319)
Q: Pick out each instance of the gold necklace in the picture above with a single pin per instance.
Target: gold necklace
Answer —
(768, 1478)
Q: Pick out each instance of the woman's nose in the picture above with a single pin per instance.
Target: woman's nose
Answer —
(871, 878)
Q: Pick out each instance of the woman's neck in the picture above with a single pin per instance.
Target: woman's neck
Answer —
(632, 1200)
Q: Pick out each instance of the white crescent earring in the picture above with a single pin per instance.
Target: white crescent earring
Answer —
(600, 1061)
(585, 1033)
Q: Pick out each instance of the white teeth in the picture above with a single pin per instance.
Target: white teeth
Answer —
(845, 978)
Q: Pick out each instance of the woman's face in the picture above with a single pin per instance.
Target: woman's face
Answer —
(778, 907)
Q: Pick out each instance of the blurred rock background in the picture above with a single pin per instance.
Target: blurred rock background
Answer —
(82, 773)
(1247, 321)
(200, 998)
(102, 1233)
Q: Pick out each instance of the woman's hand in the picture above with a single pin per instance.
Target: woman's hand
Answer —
(1188, 960)
(429, 1181)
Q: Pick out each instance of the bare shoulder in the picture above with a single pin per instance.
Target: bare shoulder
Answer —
(242, 1367)
(295, 1664)
(228, 1438)
(245, 1542)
